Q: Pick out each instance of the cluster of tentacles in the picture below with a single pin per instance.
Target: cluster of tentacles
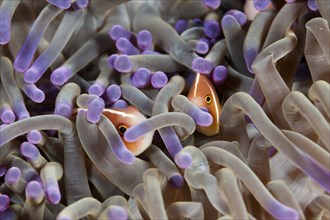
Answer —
(186, 109)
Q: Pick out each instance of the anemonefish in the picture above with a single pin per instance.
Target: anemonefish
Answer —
(125, 118)
(203, 95)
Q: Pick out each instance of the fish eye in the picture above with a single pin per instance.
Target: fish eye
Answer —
(122, 129)
(208, 99)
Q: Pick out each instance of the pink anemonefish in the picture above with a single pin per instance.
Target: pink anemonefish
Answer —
(123, 119)
(203, 95)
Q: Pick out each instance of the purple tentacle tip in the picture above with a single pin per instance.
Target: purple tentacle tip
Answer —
(111, 60)
(64, 109)
(31, 75)
(53, 194)
(60, 75)
(122, 63)
(213, 4)
(202, 118)
(8, 116)
(261, 4)
(34, 190)
(34, 93)
(220, 74)
(181, 25)
(228, 20)
(159, 79)
(20, 64)
(80, 4)
(201, 65)
(29, 151)
(13, 175)
(118, 31)
(34, 136)
(212, 28)
(144, 40)
(312, 5)
(4, 202)
(176, 181)
(126, 47)
(141, 78)
(96, 89)
(125, 156)
(240, 16)
(64, 4)
(119, 104)
(183, 160)
(281, 211)
(5, 30)
(94, 111)
(117, 212)
(134, 133)
(113, 93)
(202, 47)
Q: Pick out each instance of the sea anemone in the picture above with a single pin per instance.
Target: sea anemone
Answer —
(183, 109)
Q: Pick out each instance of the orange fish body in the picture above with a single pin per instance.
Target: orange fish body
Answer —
(203, 95)
(123, 119)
